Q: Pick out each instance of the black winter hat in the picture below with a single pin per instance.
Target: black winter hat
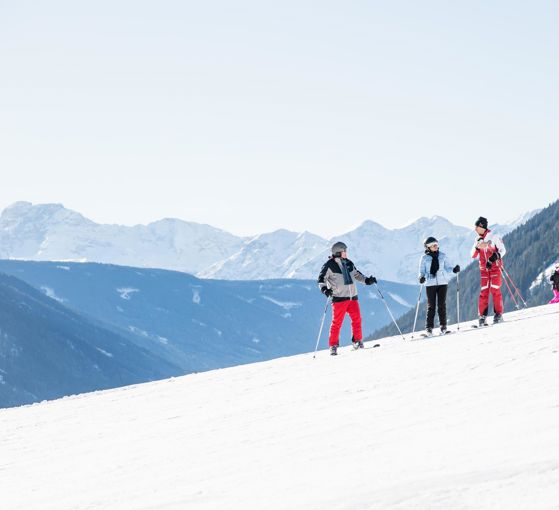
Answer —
(482, 222)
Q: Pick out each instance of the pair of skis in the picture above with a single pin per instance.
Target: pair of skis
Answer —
(486, 324)
(335, 353)
(448, 332)
(427, 335)
(365, 347)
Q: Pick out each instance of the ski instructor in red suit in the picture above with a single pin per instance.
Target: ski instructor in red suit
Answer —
(489, 248)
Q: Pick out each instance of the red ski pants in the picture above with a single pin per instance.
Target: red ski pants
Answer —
(339, 310)
(491, 282)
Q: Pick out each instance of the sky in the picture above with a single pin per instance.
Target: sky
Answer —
(253, 116)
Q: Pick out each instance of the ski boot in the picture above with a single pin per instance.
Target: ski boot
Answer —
(482, 321)
(333, 350)
(357, 344)
(498, 317)
(428, 332)
(444, 330)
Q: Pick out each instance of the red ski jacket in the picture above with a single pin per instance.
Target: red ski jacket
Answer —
(496, 245)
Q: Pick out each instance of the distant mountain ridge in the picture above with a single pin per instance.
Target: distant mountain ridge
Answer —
(71, 327)
(48, 351)
(51, 232)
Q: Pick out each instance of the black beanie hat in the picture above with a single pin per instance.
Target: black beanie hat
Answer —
(482, 222)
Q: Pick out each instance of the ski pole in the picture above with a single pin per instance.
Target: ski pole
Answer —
(514, 285)
(458, 300)
(321, 326)
(417, 309)
(387, 307)
(510, 291)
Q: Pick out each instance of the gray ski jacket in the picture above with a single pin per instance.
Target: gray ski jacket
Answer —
(340, 275)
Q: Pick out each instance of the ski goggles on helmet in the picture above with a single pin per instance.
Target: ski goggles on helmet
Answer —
(431, 245)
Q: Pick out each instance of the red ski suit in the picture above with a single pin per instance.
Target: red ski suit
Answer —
(491, 279)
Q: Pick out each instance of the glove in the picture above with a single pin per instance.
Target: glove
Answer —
(422, 280)
(327, 292)
(370, 280)
(456, 269)
(494, 257)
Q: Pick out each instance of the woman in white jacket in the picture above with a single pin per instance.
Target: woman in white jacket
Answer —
(434, 272)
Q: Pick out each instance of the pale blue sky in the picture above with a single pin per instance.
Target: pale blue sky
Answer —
(255, 115)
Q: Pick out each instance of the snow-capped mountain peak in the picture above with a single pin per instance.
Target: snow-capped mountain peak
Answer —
(52, 232)
(25, 213)
(275, 254)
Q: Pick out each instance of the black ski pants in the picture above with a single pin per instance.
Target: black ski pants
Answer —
(436, 300)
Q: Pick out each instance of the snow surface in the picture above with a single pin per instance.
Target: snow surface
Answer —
(283, 304)
(126, 292)
(51, 294)
(399, 299)
(468, 421)
(544, 276)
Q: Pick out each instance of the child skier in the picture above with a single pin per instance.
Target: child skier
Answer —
(433, 269)
(555, 280)
(336, 280)
(490, 249)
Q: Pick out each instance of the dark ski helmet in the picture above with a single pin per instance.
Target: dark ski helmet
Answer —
(482, 222)
(430, 241)
(337, 248)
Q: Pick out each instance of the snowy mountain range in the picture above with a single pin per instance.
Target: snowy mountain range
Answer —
(466, 422)
(52, 232)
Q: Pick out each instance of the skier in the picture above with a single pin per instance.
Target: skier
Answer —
(433, 269)
(555, 280)
(490, 249)
(336, 280)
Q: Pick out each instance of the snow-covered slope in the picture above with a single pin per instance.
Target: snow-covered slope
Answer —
(543, 277)
(51, 232)
(465, 422)
(509, 226)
